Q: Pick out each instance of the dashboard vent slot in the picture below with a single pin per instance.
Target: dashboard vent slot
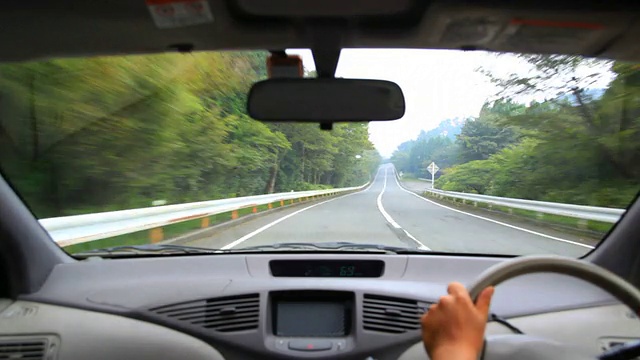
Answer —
(390, 315)
(25, 348)
(227, 314)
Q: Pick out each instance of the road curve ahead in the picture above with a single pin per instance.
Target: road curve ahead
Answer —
(386, 213)
(443, 228)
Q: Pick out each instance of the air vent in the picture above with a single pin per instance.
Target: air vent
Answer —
(227, 314)
(23, 348)
(390, 315)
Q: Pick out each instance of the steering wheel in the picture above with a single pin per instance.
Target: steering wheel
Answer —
(525, 347)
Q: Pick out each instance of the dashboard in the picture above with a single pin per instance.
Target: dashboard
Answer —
(245, 306)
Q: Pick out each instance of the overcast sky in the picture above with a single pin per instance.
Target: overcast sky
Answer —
(437, 85)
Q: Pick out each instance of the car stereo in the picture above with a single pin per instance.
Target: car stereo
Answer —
(311, 320)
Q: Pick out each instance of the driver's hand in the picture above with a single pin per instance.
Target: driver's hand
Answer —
(453, 329)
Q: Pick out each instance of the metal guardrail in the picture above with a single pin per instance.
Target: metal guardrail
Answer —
(70, 230)
(608, 215)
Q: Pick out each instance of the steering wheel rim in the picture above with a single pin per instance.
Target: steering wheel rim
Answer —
(530, 348)
(526, 347)
(580, 269)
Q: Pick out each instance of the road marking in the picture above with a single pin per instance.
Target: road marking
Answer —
(267, 226)
(390, 219)
(490, 220)
(381, 208)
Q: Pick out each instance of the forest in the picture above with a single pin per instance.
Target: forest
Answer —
(579, 146)
(108, 133)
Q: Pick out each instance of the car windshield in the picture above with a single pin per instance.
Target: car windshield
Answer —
(505, 154)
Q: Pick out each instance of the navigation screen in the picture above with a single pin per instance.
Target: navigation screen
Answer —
(311, 319)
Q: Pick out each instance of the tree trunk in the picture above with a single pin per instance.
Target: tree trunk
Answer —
(610, 155)
(34, 120)
(271, 184)
(302, 165)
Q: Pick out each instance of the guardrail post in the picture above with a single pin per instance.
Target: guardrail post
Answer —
(281, 202)
(234, 214)
(475, 204)
(539, 215)
(269, 206)
(204, 223)
(254, 210)
(583, 224)
(156, 235)
(291, 201)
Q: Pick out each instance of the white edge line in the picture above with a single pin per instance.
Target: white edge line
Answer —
(267, 226)
(390, 219)
(491, 220)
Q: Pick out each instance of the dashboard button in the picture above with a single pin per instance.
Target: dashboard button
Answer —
(310, 345)
(281, 344)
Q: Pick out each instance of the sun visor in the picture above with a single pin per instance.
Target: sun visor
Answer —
(324, 8)
(523, 31)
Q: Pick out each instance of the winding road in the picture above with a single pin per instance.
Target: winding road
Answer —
(387, 213)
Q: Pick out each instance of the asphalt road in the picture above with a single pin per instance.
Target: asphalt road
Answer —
(386, 213)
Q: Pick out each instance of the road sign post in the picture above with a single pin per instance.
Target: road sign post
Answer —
(433, 169)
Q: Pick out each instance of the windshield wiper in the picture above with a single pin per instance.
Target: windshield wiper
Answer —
(168, 249)
(149, 249)
(336, 246)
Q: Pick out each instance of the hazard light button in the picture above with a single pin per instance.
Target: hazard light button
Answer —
(310, 345)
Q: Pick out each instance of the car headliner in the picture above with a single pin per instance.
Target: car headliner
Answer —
(40, 29)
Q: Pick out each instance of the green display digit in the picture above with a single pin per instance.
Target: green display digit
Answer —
(343, 271)
(347, 270)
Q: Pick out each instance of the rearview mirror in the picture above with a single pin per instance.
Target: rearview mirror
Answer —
(325, 100)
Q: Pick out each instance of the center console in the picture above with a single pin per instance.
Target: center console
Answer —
(315, 321)
(310, 321)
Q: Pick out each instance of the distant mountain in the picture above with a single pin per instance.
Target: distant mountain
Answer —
(449, 128)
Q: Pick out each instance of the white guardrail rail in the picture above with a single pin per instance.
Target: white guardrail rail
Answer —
(582, 212)
(71, 230)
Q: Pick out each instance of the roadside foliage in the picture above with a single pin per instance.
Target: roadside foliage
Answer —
(110, 133)
(580, 145)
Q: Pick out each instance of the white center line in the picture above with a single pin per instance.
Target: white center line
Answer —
(390, 219)
(381, 208)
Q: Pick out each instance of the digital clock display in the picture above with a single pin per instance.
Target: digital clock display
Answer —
(327, 268)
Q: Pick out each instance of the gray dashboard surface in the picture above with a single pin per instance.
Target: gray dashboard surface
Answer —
(93, 335)
(123, 285)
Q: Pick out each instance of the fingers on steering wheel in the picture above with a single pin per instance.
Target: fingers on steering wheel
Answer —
(484, 300)
(456, 289)
(446, 301)
(459, 292)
